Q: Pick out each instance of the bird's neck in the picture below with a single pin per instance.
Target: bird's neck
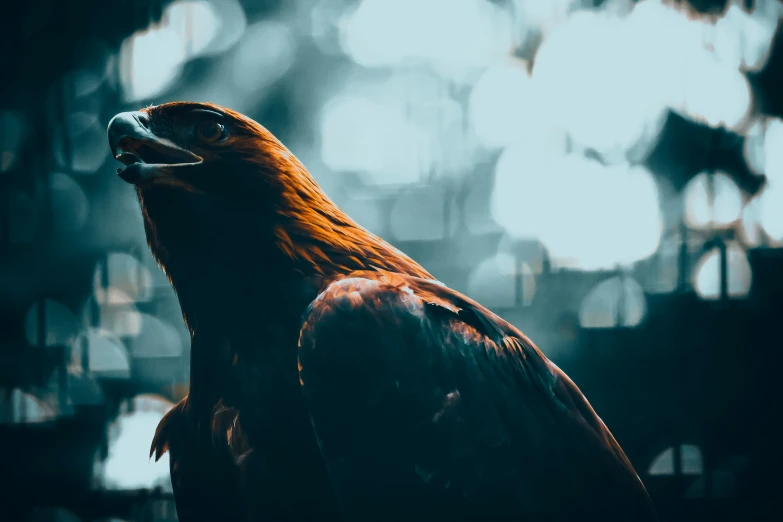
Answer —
(316, 237)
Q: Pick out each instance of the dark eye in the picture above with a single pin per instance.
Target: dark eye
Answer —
(210, 131)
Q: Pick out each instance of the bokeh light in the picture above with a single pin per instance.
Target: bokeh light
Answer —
(497, 281)
(743, 39)
(128, 465)
(773, 150)
(592, 80)
(128, 280)
(20, 407)
(691, 462)
(501, 105)
(617, 301)
(195, 23)
(61, 324)
(107, 354)
(155, 338)
(707, 273)
(549, 158)
(149, 402)
(712, 201)
(771, 211)
(374, 134)
(477, 33)
(149, 62)
(753, 147)
(588, 215)
(263, 55)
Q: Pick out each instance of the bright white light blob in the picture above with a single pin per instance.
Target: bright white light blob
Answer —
(361, 135)
(690, 461)
(150, 61)
(195, 23)
(773, 151)
(613, 302)
(522, 174)
(589, 76)
(454, 37)
(769, 208)
(128, 465)
(707, 281)
(322, 21)
(753, 148)
(743, 39)
(714, 93)
(750, 229)
(705, 211)
(264, 54)
(156, 338)
(502, 106)
(546, 16)
(230, 23)
(587, 215)
(494, 282)
(127, 278)
(397, 128)
(61, 325)
(19, 407)
(107, 354)
(682, 69)
(70, 206)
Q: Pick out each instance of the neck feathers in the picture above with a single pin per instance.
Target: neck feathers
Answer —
(319, 238)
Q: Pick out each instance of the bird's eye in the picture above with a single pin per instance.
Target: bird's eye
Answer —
(210, 131)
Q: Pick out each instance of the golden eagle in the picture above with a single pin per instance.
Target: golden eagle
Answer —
(332, 377)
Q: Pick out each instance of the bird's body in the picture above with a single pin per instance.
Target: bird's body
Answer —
(331, 376)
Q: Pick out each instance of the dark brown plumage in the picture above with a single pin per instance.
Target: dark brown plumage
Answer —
(331, 376)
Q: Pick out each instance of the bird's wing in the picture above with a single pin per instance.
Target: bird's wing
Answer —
(205, 478)
(423, 400)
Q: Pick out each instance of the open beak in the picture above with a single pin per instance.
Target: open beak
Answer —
(145, 155)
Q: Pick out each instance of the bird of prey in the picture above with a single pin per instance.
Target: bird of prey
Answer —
(332, 377)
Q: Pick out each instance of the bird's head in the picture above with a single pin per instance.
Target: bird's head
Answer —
(217, 188)
(204, 174)
(193, 147)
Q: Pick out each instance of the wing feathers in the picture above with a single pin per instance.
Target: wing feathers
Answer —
(413, 385)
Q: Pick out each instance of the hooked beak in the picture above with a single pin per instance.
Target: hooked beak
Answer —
(145, 155)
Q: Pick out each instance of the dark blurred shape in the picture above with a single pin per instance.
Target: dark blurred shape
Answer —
(29, 28)
(686, 148)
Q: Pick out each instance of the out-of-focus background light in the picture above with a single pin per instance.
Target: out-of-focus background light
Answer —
(606, 175)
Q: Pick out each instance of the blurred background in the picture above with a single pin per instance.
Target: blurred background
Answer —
(606, 175)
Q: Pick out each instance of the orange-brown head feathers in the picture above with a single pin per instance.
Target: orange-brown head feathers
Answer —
(217, 186)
